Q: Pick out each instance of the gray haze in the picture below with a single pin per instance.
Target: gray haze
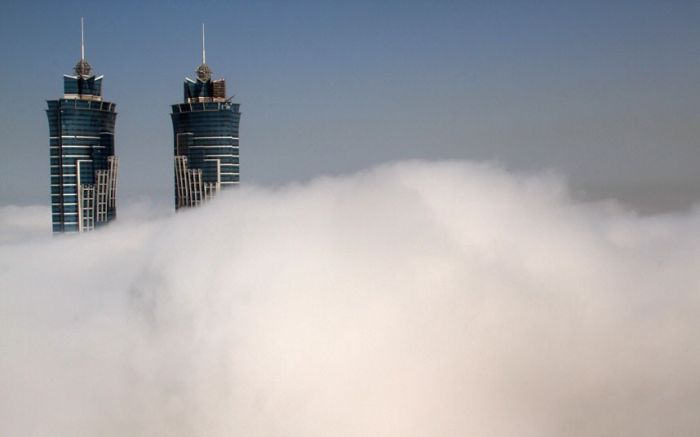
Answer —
(413, 299)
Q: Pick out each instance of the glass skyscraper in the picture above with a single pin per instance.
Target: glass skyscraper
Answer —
(205, 129)
(83, 164)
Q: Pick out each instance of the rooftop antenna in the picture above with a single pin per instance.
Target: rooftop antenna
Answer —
(82, 40)
(203, 71)
(82, 68)
(204, 50)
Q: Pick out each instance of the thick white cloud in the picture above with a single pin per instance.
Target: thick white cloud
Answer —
(415, 299)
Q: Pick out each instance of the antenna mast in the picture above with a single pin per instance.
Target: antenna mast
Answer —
(82, 40)
(204, 50)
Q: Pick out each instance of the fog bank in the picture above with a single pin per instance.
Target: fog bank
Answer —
(413, 299)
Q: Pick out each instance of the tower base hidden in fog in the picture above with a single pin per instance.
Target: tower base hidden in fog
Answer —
(205, 129)
(83, 164)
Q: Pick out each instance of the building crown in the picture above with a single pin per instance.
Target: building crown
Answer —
(204, 89)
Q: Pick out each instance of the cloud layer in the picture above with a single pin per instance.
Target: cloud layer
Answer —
(413, 299)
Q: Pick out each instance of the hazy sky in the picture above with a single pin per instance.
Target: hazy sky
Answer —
(605, 92)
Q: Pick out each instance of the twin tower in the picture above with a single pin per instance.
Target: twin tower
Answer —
(84, 166)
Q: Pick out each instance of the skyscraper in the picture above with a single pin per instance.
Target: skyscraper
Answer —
(81, 141)
(205, 129)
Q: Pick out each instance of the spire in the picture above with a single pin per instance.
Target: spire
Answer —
(204, 50)
(82, 68)
(203, 71)
(82, 40)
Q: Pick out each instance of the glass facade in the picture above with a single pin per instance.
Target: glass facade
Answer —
(83, 164)
(205, 130)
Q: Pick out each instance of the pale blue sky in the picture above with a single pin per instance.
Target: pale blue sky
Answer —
(605, 92)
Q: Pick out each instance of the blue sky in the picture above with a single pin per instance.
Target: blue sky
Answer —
(605, 93)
